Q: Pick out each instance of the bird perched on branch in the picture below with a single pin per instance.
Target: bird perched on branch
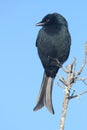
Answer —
(53, 45)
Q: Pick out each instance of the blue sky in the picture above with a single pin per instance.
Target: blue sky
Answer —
(21, 70)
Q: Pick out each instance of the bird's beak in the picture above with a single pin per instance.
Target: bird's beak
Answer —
(40, 24)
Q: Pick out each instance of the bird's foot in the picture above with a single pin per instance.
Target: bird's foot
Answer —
(57, 62)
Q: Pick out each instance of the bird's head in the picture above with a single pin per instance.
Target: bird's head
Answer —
(52, 19)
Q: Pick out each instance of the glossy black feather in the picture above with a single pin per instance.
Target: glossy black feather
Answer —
(53, 43)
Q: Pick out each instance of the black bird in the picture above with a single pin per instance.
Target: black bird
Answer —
(53, 45)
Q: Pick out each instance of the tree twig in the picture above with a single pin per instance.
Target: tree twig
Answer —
(64, 111)
(72, 77)
(78, 95)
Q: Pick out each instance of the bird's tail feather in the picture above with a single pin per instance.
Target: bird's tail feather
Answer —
(45, 94)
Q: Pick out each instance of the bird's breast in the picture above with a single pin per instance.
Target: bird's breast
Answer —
(56, 45)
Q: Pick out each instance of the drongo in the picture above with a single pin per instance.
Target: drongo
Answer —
(53, 46)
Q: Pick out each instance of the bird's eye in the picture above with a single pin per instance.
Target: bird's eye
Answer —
(47, 20)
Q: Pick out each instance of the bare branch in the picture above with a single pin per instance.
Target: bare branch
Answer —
(83, 80)
(72, 77)
(86, 51)
(60, 85)
(61, 79)
(84, 92)
(84, 61)
(74, 65)
(64, 110)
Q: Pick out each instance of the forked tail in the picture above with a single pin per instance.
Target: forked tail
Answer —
(45, 94)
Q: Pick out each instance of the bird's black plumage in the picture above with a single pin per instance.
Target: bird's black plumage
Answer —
(53, 45)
